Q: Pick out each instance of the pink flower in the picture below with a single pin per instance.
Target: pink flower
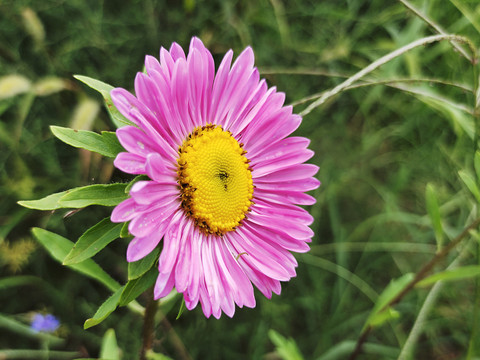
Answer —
(225, 178)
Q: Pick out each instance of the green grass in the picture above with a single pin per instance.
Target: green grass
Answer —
(378, 147)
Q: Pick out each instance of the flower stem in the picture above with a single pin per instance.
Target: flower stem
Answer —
(419, 276)
(148, 325)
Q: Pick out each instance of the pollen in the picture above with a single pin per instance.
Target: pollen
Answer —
(215, 179)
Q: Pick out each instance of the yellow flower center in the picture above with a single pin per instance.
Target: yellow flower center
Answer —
(215, 179)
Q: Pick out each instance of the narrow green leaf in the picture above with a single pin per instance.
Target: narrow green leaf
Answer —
(118, 119)
(476, 162)
(105, 144)
(105, 309)
(124, 232)
(381, 317)
(392, 290)
(138, 286)
(182, 309)
(109, 349)
(461, 273)
(80, 197)
(155, 356)
(98, 194)
(140, 267)
(50, 202)
(19, 280)
(434, 213)
(59, 247)
(9, 323)
(470, 183)
(92, 241)
(287, 349)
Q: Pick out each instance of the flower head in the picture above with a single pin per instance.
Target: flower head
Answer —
(225, 178)
(44, 323)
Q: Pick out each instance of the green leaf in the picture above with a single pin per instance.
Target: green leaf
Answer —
(50, 202)
(376, 318)
(118, 119)
(182, 309)
(461, 273)
(105, 144)
(434, 213)
(105, 309)
(93, 240)
(287, 349)
(470, 183)
(150, 355)
(138, 286)
(124, 232)
(59, 247)
(109, 349)
(98, 194)
(12, 325)
(140, 267)
(476, 162)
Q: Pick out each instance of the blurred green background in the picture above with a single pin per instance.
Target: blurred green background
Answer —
(378, 147)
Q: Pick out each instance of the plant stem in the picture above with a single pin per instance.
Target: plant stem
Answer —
(379, 62)
(419, 276)
(148, 325)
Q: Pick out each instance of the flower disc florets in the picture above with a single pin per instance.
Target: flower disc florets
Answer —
(215, 179)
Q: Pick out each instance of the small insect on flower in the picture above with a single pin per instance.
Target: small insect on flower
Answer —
(225, 178)
(44, 323)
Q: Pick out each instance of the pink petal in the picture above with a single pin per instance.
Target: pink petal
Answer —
(155, 168)
(151, 63)
(219, 85)
(262, 257)
(263, 283)
(285, 211)
(179, 91)
(125, 211)
(132, 108)
(280, 149)
(276, 238)
(283, 224)
(235, 276)
(211, 281)
(284, 196)
(171, 243)
(138, 248)
(130, 163)
(291, 173)
(177, 52)
(303, 185)
(284, 162)
(154, 219)
(164, 285)
(151, 192)
(196, 271)
(136, 141)
(183, 259)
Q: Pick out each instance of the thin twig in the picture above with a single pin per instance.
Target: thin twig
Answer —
(379, 62)
(391, 83)
(429, 302)
(438, 29)
(419, 276)
(148, 325)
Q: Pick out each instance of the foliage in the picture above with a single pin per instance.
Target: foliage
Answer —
(399, 164)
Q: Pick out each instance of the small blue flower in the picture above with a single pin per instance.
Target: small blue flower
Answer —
(44, 323)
